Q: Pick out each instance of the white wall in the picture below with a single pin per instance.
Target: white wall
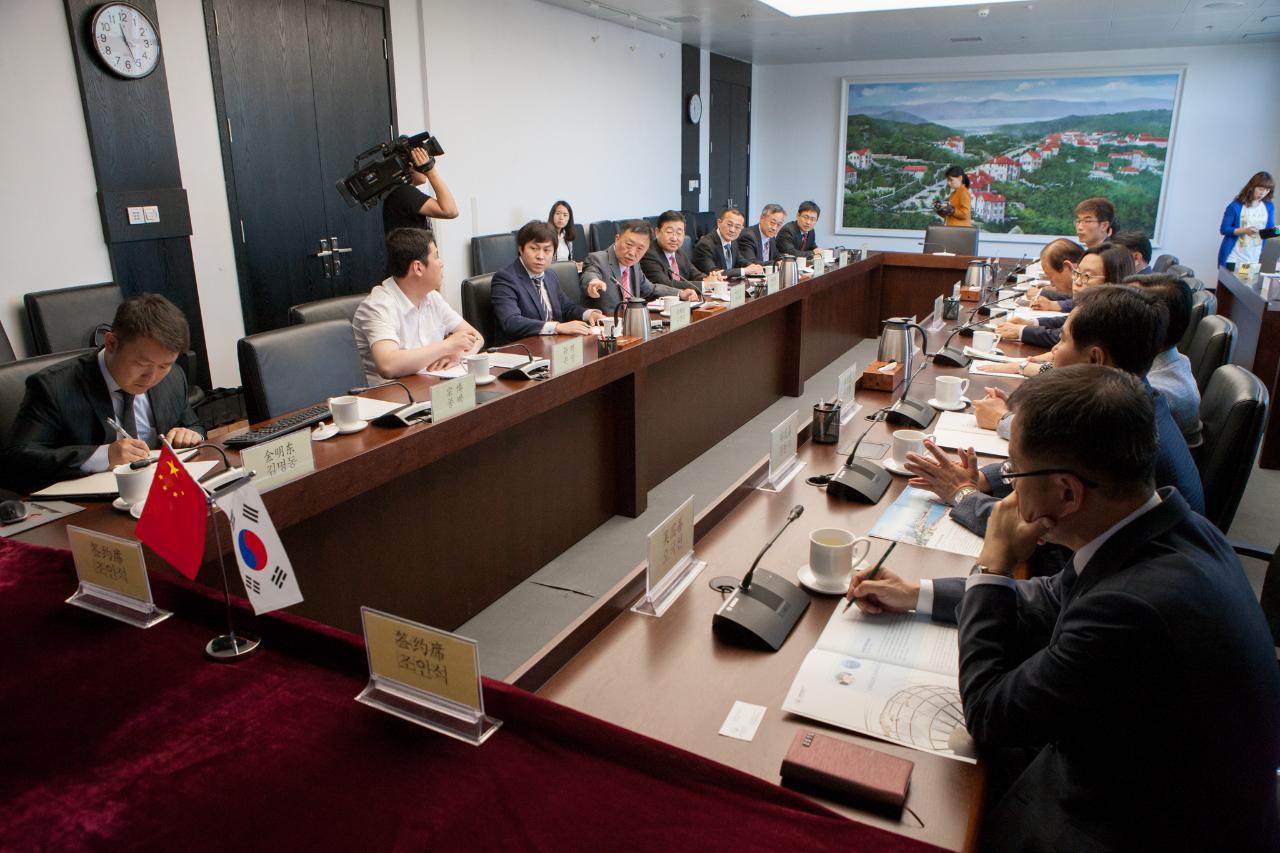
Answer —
(1226, 131)
(515, 141)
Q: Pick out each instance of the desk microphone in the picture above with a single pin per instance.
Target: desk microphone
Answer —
(765, 607)
(860, 480)
(949, 356)
(1020, 266)
(410, 413)
(534, 368)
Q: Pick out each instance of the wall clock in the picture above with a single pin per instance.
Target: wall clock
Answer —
(695, 108)
(125, 40)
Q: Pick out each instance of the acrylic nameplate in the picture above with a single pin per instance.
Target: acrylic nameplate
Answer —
(672, 566)
(113, 578)
(680, 313)
(452, 398)
(566, 356)
(280, 460)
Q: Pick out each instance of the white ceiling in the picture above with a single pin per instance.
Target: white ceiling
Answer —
(751, 31)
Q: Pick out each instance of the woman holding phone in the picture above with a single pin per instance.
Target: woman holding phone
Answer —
(1250, 213)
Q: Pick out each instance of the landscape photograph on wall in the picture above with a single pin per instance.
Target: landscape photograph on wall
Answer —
(1031, 147)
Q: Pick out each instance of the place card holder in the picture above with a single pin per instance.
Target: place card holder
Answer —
(846, 386)
(672, 565)
(113, 578)
(426, 676)
(784, 463)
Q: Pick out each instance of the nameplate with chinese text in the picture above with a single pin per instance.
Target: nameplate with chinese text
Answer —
(280, 460)
(680, 313)
(113, 578)
(452, 398)
(737, 295)
(566, 356)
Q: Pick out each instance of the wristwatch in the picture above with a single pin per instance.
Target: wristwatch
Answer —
(979, 569)
(962, 493)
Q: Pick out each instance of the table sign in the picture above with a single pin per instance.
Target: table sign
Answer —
(680, 315)
(737, 295)
(938, 322)
(453, 397)
(280, 460)
(113, 578)
(566, 356)
(819, 264)
(771, 284)
(783, 464)
(672, 565)
(846, 387)
(426, 676)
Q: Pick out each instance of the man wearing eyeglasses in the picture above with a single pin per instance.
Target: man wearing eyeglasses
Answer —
(1132, 700)
(1117, 326)
(614, 275)
(1102, 264)
(718, 250)
(1095, 221)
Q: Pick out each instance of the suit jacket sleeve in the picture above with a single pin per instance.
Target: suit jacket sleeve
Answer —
(38, 452)
(748, 247)
(786, 240)
(654, 268)
(506, 309)
(704, 256)
(178, 404)
(648, 289)
(1041, 336)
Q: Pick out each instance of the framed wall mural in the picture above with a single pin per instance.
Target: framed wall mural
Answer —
(1032, 147)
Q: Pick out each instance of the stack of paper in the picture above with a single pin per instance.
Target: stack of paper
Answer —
(956, 430)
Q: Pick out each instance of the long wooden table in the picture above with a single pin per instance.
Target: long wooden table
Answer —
(670, 678)
(435, 522)
(1257, 344)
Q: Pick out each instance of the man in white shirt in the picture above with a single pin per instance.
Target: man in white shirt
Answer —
(404, 326)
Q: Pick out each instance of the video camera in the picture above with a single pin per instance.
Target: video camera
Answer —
(382, 167)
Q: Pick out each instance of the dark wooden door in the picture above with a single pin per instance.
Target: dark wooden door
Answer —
(302, 86)
(730, 144)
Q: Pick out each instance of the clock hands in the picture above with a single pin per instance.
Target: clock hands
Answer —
(127, 43)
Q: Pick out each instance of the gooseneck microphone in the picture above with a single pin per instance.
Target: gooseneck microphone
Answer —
(533, 368)
(765, 607)
(364, 388)
(796, 512)
(409, 414)
(528, 352)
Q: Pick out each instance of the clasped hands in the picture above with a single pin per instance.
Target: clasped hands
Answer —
(457, 345)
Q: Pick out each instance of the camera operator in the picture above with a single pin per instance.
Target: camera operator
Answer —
(409, 205)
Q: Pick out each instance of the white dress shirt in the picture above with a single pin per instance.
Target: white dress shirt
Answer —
(386, 314)
(99, 460)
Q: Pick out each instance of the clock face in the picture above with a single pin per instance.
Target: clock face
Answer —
(125, 40)
(695, 108)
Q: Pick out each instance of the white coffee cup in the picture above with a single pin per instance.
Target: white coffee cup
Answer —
(832, 553)
(949, 389)
(133, 484)
(346, 411)
(984, 341)
(478, 365)
(908, 441)
(668, 301)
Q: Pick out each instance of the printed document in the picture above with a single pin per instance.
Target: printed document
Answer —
(918, 518)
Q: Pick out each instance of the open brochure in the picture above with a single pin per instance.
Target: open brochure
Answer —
(955, 430)
(889, 676)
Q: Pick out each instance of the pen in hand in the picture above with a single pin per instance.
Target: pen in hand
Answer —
(871, 575)
(115, 425)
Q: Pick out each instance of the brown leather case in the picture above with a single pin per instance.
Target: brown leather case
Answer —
(846, 771)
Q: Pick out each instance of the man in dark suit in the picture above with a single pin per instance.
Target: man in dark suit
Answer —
(667, 262)
(526, 295)
(62, 428)
(614, 275)
(1131, 701)
(798, 238)
(718, 250)
(757, 245)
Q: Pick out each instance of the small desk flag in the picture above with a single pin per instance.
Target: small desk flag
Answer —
(264, 566)
(174, 518)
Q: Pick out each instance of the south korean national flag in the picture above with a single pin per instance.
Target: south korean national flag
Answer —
(264, 566)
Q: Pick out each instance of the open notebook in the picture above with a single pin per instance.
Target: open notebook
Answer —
(102, 486)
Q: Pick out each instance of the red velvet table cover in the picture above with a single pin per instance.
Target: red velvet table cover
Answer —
(118, 738)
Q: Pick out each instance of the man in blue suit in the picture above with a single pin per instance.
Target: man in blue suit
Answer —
(526, 295)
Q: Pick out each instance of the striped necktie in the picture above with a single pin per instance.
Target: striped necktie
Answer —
(546, 300)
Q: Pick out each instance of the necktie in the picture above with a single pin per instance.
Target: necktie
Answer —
(804, 238)
(127, 418)
(626, 286)
(542, 294)
(675, 268)
(764, 247)
(728, 255)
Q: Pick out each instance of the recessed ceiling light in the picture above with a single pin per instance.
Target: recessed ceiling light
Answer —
(800, 8)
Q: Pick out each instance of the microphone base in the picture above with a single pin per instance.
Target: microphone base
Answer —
(910, 413)
(762, 616)
(952, 357)
(407, 415)
(526, 371)
(861, 482)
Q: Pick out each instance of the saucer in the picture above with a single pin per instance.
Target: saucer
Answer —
(136, 509)
(324, 431)
(954, 407)
(122, 504)
(484, 380)
(351, 429)
(891, 465)
(812, 582)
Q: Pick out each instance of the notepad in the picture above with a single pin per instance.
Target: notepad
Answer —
(103, 484)
(956, 430)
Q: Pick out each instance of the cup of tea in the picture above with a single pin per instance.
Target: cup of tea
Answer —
(948, 390)
(984, 341)
(833, 552)
(478, 365)
(132, 484)
(345, 411)
(908, 441)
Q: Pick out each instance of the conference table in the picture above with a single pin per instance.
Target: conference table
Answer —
(1257, 322)
(435, 522)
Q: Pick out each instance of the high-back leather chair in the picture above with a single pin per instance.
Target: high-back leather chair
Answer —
(477, 309)
(580, 244)
(6, 349)
(1194, 284)
(1180, 270)
(1233, 411)
(1199, 310)
(706, 223)
(1213, 346)
(600, 235)
(956, 239)
(1270, 597)
(1163, 262)
(71, 317)
(1270, 254)
(13, 384)
(298, 366)
(492, 252)
(335, 308)
(567, 273)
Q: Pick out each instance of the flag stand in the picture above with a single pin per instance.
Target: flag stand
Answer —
(229, 647)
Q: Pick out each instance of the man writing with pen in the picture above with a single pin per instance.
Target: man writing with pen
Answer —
(105, 408)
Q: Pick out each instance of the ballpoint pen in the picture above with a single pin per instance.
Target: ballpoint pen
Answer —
(115, 425)
(871, 575)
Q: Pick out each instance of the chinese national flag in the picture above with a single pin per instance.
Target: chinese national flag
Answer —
(173, 521)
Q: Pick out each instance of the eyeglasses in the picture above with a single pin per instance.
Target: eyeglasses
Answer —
(1086, 220)
(1078, 274)
(1008, 474)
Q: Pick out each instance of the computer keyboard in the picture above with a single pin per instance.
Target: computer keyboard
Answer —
(296, 421)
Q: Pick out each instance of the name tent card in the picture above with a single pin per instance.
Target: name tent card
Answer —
(938, 322)
(845, 389)
(771, 284)
(737, 295)
(453, 397)
(672, 565)
(280, 460)
(566, 356)
(426, 676)
(783, 463)
(819, 264)
(113, 578)
(680, 313)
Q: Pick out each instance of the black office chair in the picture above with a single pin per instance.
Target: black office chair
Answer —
(1194, 283)
(580, 244)
(6, 349)
(1270, 598)
(1163, 262)
(298, 366)
(1270, 254)
(1213, 346)
(492, 252)
(13, 384)
(477, 309)
(1233, 411)
(1199, 310)
(71, 317)
(956, 239)
(336, 308)
(567, 273)
(1180, 270)
(706, 220)
(600, 234)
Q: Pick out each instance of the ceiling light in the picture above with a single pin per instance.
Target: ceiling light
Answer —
(799, 8)
(1223, 5)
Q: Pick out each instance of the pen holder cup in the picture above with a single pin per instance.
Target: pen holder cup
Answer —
(950, 308)
(606, 346)
(826, 423)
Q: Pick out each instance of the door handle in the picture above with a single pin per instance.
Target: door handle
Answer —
(325, 254)
(337, 251)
